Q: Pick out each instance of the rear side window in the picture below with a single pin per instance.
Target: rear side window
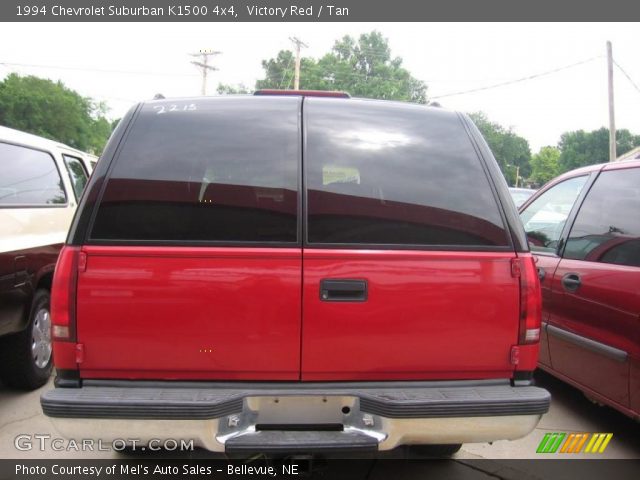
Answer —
(545, 218)
(29, 177)
(394, 174)
(206, 170)
(77, 174)
(607, 227)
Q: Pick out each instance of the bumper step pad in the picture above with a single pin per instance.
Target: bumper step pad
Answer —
(278, 441)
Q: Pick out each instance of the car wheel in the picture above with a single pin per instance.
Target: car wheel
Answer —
(26, 357)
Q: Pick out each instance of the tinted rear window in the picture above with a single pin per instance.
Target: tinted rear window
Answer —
(29, 177)
(383, 173)
(206, 170)
(607, 227)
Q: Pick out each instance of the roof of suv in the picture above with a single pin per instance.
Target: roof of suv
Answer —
(329, 97)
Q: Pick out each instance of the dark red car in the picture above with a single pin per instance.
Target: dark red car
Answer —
(584, 228)
(295, 273)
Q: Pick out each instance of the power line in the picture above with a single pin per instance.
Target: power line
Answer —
(117, 99)
(627, 75)
(290, 79)
(284, 73)
(98, 70)
(343, 74)
(133, 72)
(517, 80)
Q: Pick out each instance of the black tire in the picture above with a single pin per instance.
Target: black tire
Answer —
(18, 365)
(433, 451)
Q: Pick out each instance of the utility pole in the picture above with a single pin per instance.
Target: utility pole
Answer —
(612, 118)
(204, 65)
(298, 43)
(517, 173)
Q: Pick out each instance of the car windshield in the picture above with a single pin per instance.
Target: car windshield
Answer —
(520, 196)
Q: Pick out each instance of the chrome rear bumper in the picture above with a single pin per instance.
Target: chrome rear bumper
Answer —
(298, 417)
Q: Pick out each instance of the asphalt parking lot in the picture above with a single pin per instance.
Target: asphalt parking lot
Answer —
(570, 412)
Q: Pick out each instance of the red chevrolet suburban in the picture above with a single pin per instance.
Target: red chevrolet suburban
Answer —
(295, 273)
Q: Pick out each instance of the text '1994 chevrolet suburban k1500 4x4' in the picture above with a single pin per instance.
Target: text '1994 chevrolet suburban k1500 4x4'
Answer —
(283, 273)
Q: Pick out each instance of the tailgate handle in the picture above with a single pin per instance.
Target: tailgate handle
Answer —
(343, 290)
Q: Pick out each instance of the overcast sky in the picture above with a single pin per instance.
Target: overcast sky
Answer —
(449, 57)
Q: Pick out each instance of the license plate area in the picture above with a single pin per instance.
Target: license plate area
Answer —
(313, 413)
(300, 410)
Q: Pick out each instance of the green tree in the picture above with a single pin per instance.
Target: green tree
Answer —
(362, 67)
(580, 148)
(511, 151)
(544, 165)
(239, 89)
(51, 110)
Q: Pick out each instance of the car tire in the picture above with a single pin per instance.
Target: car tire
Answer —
(26, 357)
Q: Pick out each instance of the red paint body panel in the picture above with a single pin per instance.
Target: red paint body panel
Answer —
(190, 313)
(595, 395)
(155, 312)
(64, 355)
(605, 309)
(428, 315)
(20, 274)
(634, 386)
(548, 265)
(528, 357)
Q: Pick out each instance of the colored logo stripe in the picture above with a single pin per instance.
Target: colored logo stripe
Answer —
(598, 442)
(574, 442)
(550, 442)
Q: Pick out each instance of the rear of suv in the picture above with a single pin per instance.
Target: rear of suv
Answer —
(294, 273)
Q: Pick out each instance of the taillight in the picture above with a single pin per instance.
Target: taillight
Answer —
(63, 295)
(530, 301)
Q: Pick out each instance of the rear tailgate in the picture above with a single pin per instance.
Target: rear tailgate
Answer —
(427, 315)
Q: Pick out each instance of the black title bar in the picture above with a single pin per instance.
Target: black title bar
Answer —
(316, 10)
